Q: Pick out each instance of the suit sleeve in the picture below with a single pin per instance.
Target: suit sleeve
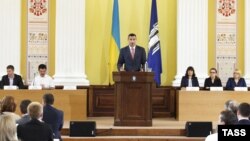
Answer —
(206, 83)
(143, 58)
(183, 82)
(20, 83)
(196, 82)
(219, 83)
(19, 132)
(244, 83)
(1, 85)
(51, 136)
(2, 82)
(229, 85)
(120, 61)
(62, 118)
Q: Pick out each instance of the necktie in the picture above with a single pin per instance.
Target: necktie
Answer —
(132, 52)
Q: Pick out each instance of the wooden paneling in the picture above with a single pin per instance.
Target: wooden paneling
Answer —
(133, 98)
(205, 105)
(101, 101)
(72, 102)
(163, 102)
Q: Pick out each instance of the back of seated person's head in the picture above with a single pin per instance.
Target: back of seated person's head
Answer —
(24, 105)
(7, 128)
(227, 118)
(232, 105)
(244, 110)
(35, 110)
(48, 99)
(8, 104)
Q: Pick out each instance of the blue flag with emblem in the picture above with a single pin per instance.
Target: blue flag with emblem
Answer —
(154, 53)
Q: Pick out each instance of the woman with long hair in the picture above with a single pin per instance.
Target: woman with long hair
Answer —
(7, 128)
(190, 79)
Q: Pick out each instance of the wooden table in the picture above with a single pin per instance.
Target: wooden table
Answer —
(72, 102)
(205, 105)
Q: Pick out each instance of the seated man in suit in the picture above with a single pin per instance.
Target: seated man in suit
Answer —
(133, 56)
(23, 108)
(12, 79)
(35, 129)
(243, 114)
(236, 81)
(52, 116)
(43, 80)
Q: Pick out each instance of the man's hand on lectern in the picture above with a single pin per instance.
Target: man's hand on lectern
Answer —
(122, 69)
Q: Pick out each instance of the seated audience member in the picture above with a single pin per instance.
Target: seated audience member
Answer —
(7, 128)
(11, 79)
(52, 116)
(23, 108)
(189, 80)
(8, 107)
(226, 118)
(213, 80)
(43, 80)
(232, 105)
(235, 81)
(243, 114)
(35, 129)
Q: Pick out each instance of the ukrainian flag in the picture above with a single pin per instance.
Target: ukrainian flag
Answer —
(115, 42)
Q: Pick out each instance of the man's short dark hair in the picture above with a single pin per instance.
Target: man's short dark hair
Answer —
(48, 99)
(244, 109)
(10, 67)
(131, 35)
(42, 66)
(24, 105)
(228, 117)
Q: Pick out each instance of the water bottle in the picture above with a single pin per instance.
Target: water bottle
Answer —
(146, 66)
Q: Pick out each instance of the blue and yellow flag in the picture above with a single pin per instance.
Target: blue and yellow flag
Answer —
(115, 41)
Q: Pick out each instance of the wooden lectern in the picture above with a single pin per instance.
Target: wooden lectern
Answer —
(133, 98)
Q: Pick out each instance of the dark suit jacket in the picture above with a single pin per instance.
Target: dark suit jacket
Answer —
(18, 81)
(34, 130)
(243, 122)
(54, 118)
(132, 64)
(184, 82)
(231, 83)
(208, 83)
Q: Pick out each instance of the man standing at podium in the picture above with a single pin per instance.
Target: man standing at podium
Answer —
(132, 56)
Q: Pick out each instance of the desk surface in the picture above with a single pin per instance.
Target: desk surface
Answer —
(72, 102)
(205, 105)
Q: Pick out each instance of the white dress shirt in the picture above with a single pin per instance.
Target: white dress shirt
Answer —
(46, 81)
(190, 83)
(11, 80)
